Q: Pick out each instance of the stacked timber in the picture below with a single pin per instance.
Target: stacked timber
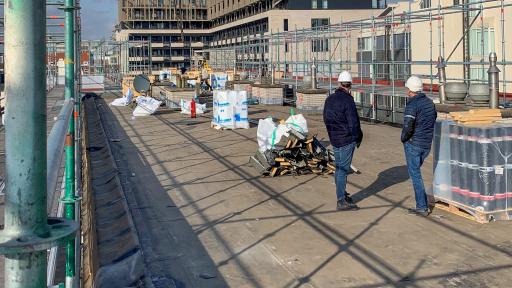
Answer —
(477, 116)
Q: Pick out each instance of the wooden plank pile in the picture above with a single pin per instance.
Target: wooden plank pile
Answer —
(296, 154)
(477, 116)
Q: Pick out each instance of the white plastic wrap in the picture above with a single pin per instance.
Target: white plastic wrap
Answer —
(230, 109)
(298, 122)
(186, 107)
(473, 167)
(125, 100)
(224, 115)
(241, 110)
(146, 106)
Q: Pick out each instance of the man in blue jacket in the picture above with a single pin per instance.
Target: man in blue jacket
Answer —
(344, 129)
(419, 119)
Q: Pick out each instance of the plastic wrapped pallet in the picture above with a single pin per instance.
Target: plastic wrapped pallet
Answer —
(230, 109)
(473, 168)
(241, 110)
(223, 110)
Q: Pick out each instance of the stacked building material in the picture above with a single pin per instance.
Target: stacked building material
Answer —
(472, 168)
(311, 100)
(478, 116)
(296, 154)
(268, 94)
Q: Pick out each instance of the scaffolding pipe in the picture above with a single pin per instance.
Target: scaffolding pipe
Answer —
(441, 68)
(494, 81)
(69, 93)
(25, 138)
(314, 80)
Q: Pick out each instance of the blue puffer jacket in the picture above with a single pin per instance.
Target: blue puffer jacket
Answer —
(419, 119)
(341, 119)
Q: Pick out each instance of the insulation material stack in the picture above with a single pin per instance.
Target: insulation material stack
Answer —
(230, 109)
(311, 100)
(473, 168)
(271, 95)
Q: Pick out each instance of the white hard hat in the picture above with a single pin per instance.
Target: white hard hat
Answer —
(345, 77)
(414, 84)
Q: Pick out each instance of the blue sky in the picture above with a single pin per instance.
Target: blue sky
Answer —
(98, 18)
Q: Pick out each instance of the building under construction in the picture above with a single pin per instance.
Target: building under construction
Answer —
(166, 33)
(110, 178)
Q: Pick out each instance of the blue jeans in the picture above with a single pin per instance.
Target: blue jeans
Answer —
(343, 160)
(415, 156)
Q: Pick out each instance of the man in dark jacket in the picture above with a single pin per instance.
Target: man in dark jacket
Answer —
(344, 129)
(419, 119)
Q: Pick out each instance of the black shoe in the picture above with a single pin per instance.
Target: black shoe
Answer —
(348, 198)
(346, 206)
(418, 212)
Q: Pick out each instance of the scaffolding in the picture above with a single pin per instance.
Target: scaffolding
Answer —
(383, 51)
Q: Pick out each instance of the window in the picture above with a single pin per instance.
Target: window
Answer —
(314, 4)
(285, 24)
(320, 45)
(325, 4)
(319, 24)
(425, 4)
(365, 44)
(477, 52)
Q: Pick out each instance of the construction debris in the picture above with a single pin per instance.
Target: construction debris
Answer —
(296, 154)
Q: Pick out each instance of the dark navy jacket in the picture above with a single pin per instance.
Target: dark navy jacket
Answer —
(341, 119)
(419, 119)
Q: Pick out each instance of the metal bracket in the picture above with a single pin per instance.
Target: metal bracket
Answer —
(67, 8)
(59, 231)
(70, 200)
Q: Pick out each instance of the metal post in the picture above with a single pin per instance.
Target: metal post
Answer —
(494, 81)
(25, 138)
(69, 93)
(296, 58)
(374, 71)
(78, 158)
(441, 68)
(503, 51)
(314, 83)
(393, 67)
(431, 54)
(482, 42)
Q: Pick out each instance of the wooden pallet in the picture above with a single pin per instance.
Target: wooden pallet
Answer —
(471, 213)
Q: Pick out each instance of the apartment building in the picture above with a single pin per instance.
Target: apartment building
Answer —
(171, 30)
(161, 33)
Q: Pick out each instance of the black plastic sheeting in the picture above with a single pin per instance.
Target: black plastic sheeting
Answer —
(120, 258)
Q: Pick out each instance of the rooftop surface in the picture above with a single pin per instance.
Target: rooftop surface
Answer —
(207, 219)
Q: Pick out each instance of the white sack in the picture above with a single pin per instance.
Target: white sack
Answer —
(186, 107)
(146, 106)
(125, 100)
(298, 123)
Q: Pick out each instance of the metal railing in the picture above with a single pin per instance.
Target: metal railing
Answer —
(32, 175)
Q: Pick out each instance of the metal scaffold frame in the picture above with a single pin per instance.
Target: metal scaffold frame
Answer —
(33, 44)
(339, 47)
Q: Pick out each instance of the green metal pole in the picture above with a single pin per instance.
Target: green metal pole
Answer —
(69, 198)
(25, 139)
